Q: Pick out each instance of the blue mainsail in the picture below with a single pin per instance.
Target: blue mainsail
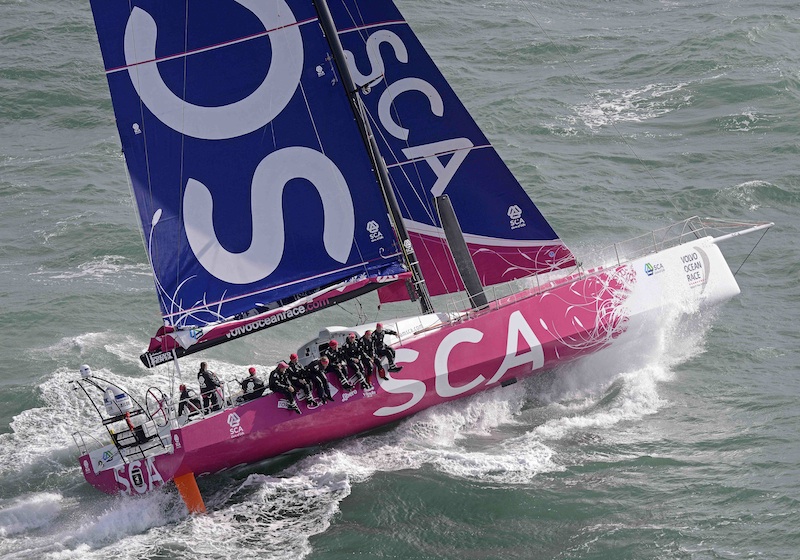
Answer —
(249, 173)
(432, 146)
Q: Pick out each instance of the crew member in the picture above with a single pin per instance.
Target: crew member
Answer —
(188, 402)
(279, 383)
(298, 379)
(315, 373)
(382, 349)
(372, 360)
(354, 357)
(209, 384)
(337, 363)
(252, 386)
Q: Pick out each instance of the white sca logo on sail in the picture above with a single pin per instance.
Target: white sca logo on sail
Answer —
(374, 231)
(515, 213)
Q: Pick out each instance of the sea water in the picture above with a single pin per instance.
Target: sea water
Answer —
(618, 117)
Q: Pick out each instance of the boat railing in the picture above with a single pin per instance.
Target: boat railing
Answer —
(613, 255)
(83, 449)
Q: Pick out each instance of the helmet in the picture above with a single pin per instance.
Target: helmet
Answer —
(368, 334)
(293, 357)
(182, 387)
(378, 326)
(86, 371)
(283, 365)
(252, 370)
(351, 336)
(324, 360)
(333, 343)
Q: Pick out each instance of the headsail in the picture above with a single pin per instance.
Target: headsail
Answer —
(250, 176)
(433, 146)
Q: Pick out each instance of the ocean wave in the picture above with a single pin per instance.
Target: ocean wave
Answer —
(609, 106)
(27, 513)
(101, 269)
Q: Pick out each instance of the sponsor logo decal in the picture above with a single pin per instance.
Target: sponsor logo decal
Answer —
(374, 231)
(694, 266)
(139, 476)
(283, 403)
(271, 320)
(530, 355)
(159, 358)
(651, 269)
(234, 423)
(515, 213)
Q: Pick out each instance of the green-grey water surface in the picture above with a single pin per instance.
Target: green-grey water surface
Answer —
(618, 117)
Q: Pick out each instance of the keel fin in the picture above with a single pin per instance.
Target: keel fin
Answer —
(187, 486)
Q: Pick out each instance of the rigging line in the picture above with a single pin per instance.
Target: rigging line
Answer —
(361, 32)
(358, 315)
(614, 126)
(178, 268)
(421, 200)
(143, 129)
(751, 252)
(424, 202)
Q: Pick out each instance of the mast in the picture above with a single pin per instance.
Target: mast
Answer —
(382, 174)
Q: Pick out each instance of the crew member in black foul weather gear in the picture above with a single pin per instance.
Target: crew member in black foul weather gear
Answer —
(209, 383)
(337, 363)
(299, 380)
(371, 360)
(382, 349)
(279, 383)
(253, 386)
(315, 373)
(355, 358)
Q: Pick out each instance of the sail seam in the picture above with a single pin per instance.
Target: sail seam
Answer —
(210, 47)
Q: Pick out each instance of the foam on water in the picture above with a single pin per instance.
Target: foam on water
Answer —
(120, 528)
(633, 105)
(102, 269)
(487, 438)
(27, 513)
(744, 194)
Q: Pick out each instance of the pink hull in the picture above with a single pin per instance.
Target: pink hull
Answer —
(512, 340)
(518, 337)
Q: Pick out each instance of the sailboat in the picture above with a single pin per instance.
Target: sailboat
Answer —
(286, 156)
